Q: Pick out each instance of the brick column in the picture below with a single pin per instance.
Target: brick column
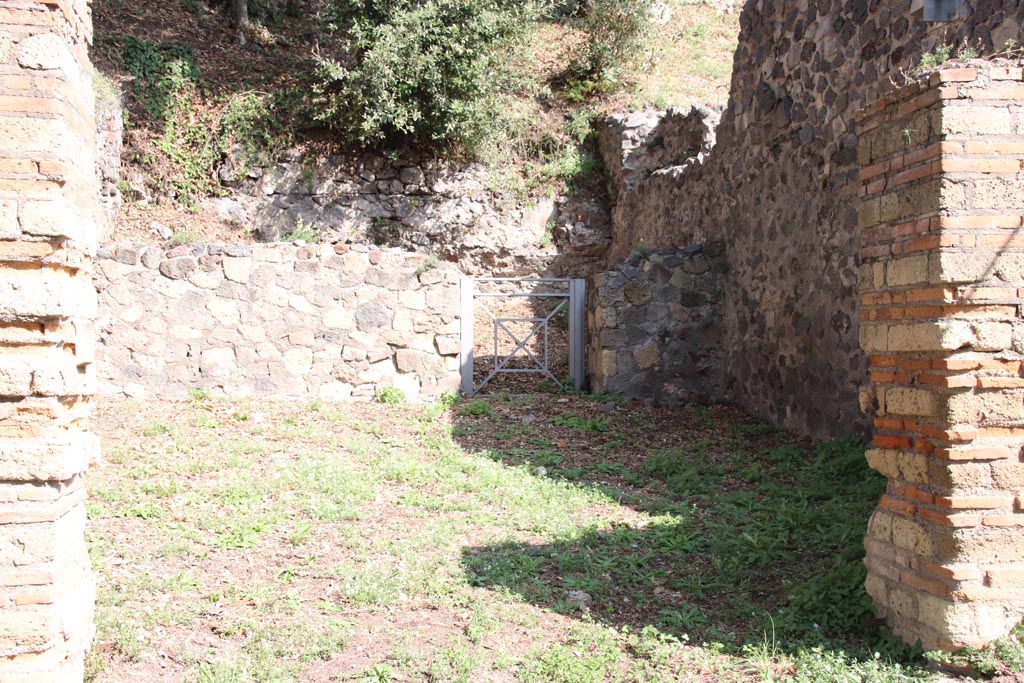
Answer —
(942, 280)
(47, 210)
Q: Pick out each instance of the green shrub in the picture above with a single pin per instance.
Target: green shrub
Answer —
(165, 90)
(426, 73)
(617, 33)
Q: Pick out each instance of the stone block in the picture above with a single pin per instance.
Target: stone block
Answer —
(44, 52)
(447, 344)
(993, 336)
(9, 227)
(991, 407)
(298, 361)
(372, 316)
(237, 269)
(409, 384)
(129, 254)
(999, 193)
(1008, 475)
(218, 363)
(50, 218)
(178, 268)
(204, 279)
(976, 120)
(52, 458)
(913, 536)
(402, 321)
(907, 271)
(224, 311)
(912, 402)
(15, 378)
(646, 356)
(41, 136)
(301, 304)
(335, 391)
(941, 335)
(874, 338)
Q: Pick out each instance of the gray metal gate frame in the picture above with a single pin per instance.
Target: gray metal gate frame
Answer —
(574, 300)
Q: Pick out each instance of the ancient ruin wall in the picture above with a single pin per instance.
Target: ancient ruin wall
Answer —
(779, 189)
(942, 282)
(326, 321)
(47, 224)
(655, 326)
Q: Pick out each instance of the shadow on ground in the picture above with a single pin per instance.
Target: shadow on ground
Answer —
(745, 536)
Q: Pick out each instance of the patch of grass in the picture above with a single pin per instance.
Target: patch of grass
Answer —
(390, 395)
(478, 407)
(590, 654)
(198, 396)
(596, 423)
(454, 664)
(326, 526)
(156, 427)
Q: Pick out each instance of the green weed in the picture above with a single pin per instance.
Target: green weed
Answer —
(478, 407)
(584, 424)
(390, 395)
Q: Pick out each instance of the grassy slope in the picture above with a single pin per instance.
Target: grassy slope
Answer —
(689, 62)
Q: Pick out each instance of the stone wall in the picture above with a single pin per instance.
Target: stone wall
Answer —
(109, 136)
(655, 326)
(942, 282)
(779, 189)
(47, 231)
(448, 209)
(278, 320)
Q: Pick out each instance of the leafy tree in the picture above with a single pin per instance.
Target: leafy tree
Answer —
(426, 73)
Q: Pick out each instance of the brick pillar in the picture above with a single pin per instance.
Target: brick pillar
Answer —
(47, 213)
(942, 281)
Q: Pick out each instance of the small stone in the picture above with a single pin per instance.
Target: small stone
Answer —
(178, 268)
(411, 176)
(209, 263)
(341, 248)
(581, 599)
(180, 250)
(375, 256)
(151, 257)
(160, 230)
(128, 253)
(237, 250)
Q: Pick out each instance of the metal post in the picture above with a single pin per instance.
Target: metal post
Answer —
(466, 334)
(577, 332)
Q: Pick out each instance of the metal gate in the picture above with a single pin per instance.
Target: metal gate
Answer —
(527, 329)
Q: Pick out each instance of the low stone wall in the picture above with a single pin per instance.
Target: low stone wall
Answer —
(325, 321)
(655, 325)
